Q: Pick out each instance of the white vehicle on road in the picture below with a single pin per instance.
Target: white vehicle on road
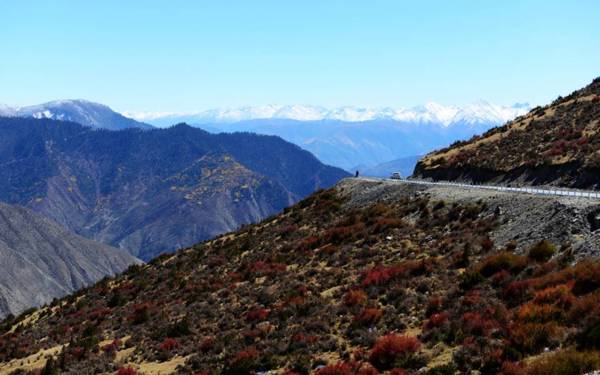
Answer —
(396, 176)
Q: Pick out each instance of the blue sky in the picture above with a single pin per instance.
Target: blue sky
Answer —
(191, 55)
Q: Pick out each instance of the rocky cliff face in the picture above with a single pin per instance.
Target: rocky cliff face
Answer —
(558, 144)
(40, 260)
(152, 191)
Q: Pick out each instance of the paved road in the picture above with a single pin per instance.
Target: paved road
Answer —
(593, 194)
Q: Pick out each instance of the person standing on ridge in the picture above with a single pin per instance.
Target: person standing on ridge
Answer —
(356, 175)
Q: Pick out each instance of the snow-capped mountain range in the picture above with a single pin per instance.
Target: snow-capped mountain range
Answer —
(347, 137)
(479, 112)
(84, 112)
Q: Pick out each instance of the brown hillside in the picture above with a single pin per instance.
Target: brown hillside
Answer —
(558, 144)
(337, 284)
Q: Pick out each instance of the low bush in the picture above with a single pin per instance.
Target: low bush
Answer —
(504, 261)
(355, 297)
(565, 362)
(392, 348)
(126, 371)
(542, 251)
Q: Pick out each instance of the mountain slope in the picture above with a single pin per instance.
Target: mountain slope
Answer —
(151, 191)
(360, 279)
(555, 145)
(80, 111)
(41, 260)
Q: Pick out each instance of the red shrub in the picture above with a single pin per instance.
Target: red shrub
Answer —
(559, 295)
(262, 268)
(112, 347)
(398, 371)
(169, 344)
(207, 344)
(339, 368)
(380, 275)
(257, 315)
(365, 368)
(434, 304)
(500, 278)
(517, 291)
(436, 320)
(78, 352)
(355, 297)
(368, 316)
(476, 324)
(512, 368)
(392, 347)
(505, 260)
(126, 371)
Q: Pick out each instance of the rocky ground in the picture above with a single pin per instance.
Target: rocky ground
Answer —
(526, 219)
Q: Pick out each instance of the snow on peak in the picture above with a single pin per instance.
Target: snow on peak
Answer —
(478, 112)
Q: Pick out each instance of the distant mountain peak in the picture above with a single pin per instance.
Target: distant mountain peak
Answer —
(480, 111)
(82, 111)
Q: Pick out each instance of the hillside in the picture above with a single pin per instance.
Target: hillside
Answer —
(366, 278)
(83, 112)
(558, 144)
(41, 261)
(152, 191)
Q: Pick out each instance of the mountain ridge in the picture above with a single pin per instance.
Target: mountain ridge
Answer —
(82, 111)
(151, 191)
(477, 112)
(552, 145)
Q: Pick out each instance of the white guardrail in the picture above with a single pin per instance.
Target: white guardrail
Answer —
(525, 190)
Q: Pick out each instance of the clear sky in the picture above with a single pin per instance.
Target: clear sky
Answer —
(180, 55)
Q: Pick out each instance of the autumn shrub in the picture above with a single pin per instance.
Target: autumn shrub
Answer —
(168, 344)
(381, 275)
(243, 362)
(505, 260)
(355, 297)
(584, 306)
(534, 337)
(470, 279)
(559, 295)
(587, 277)
(565, 362)
(340, 368)
(477, 324)
(140, 314)
(391, 349)
(517, 291)
(542, 251)
(533, 313)
(589, 335)
(368, 316)
(126, 371)
(436, 320)
(257, 315)
(512, 368)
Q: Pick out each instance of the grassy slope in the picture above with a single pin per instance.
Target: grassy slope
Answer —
(324, 284)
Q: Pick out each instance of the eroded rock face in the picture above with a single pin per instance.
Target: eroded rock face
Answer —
(40, 260)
